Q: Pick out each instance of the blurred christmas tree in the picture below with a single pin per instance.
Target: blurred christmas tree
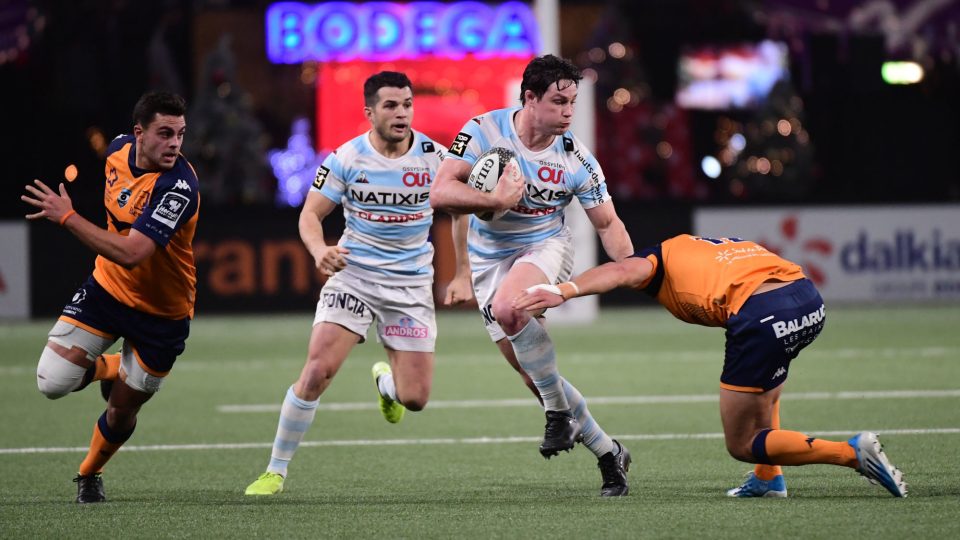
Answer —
(224, 138)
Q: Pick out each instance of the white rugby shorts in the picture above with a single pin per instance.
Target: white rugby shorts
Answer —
(406, 316)
(553, 256)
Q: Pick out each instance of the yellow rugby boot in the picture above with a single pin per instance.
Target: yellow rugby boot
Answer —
(267, 484)
(392, 410)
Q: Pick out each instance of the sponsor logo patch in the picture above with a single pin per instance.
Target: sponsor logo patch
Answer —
(427, 147)
(79, 296)
(171, 207)
(568, 144)
(182, 184)
(123, 197)
(143, 199)
(321, 177)
(459, 146)
(344, 301)
(407, 329)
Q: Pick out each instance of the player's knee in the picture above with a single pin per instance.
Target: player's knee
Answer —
(122, 418)
(415, 404)
(740, 451)
(509, 319)
(56, 375)
(315, 378)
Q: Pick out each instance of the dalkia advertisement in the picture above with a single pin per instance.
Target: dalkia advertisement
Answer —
(878, 253)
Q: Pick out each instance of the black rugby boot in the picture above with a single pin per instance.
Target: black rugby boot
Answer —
(613, 469)
(90, 488)
(561, 432)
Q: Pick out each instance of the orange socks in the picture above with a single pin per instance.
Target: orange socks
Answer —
(769, 472)
(782, 447)
(103, 445)
(107, 367)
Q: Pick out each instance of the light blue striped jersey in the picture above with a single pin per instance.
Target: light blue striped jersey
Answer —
(553, 176)
(387, 208)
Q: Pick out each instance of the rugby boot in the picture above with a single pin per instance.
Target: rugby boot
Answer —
(755, 487)
(561, 432)
(874, 465)
(392, 410)
(267, 483)
(613, 469)
(90, 488)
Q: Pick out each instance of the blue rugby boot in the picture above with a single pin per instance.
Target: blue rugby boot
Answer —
(874, 465)
(755, 487)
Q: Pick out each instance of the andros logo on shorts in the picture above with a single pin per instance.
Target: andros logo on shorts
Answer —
(407, 329)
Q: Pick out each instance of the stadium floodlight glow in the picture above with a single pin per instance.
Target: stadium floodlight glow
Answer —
(711, 166)
(901, 72)
(379, 31)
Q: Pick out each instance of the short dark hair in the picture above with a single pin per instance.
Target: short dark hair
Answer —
(153, 103)
(392, 79)
(545, 70)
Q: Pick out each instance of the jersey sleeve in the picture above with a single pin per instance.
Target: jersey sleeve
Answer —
(118, 142)
(591, 185)
(175, 199)
(469, 144)
(329, 181)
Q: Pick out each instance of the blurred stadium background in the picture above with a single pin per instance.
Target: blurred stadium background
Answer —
(827, 129)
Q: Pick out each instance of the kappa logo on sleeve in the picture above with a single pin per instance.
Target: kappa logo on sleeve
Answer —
(321, 177)
(459, 146)
(182, 184)
(170, 209)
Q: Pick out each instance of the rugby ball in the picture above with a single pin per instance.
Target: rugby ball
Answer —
(486, 173)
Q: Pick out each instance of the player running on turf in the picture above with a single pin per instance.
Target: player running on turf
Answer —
(143, 284)
(381, 269)
(528, 243)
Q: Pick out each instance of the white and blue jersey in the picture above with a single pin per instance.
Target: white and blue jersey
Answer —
(386, 203)
(553, 177)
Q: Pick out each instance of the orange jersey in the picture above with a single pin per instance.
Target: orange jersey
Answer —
(706, 280)
(164, 205)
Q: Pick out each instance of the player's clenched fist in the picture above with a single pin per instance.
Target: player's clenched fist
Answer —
(331, 261)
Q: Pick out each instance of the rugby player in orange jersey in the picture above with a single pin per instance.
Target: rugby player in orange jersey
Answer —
(770, 312)
(143, 284)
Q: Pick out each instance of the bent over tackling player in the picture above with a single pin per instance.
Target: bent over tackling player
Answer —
(142, 287)
(770, 312)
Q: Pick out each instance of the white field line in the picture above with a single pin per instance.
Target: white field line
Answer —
(493, 358)
(448, 441)
(610, 400)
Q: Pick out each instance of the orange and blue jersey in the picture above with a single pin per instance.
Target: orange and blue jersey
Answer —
(707, 280)
(163, 205)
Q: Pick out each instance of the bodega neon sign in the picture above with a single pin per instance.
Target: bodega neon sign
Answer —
(387, 31)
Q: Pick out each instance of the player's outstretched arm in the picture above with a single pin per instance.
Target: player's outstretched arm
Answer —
(450, 193)
(460, 288)
(613, 235)
(630, 272)
(328, 259)
(127, 251)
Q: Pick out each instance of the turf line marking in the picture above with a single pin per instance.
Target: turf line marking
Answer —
(448, 441)
(609, 400)
(671, 356)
